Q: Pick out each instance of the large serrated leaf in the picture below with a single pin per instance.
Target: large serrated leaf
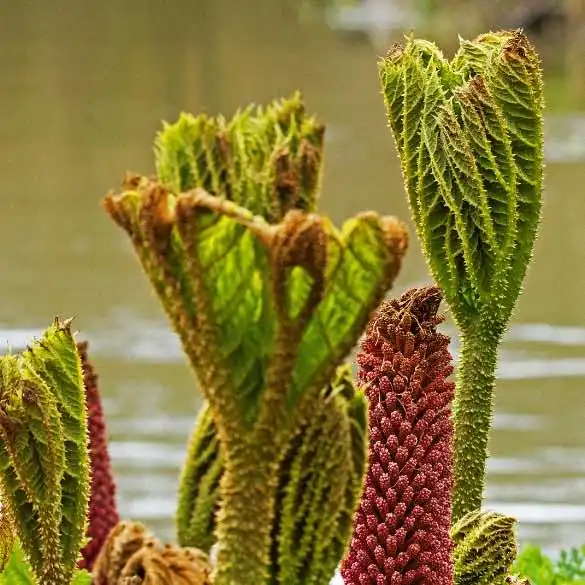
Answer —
(469, 135)
(43, 454)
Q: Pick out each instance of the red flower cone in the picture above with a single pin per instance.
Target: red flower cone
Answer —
(401, 528)
(103, 512)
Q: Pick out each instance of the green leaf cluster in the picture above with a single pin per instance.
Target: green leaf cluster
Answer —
(569, 568)
(469, 136)
(265, 159)
(44, 469)
(485, 548)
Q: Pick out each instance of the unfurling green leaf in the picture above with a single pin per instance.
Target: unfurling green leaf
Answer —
(267, 160)
(469, 135)
(485, 548)
(44, 468)
(259, 307)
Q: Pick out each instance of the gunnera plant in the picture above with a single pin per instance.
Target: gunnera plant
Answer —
(469, 135)
(401, 532)
(267, 298)
(44, 461)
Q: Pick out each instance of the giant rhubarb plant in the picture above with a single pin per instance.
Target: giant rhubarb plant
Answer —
(401, 533)
(266, 296)
(469, 135)
(44, 467)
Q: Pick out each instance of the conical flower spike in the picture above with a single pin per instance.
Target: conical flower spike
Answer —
(485, 548)
(469, 136)
(103, 512)
(401, 533)
(266, 306)
(44, 466)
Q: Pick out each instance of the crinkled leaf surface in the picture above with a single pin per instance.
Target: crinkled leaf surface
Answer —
(252, 300)
(469, 135)
(265, 159)
(17, 570)
(43, 458)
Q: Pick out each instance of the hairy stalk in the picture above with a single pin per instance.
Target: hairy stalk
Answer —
(469, 135)
(266, 296)
(248, 489)
(473, 412)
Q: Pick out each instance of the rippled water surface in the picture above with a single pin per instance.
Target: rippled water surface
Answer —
(83, 90)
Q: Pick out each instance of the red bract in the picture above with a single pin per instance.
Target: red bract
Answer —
(401, 529)
(103, 512)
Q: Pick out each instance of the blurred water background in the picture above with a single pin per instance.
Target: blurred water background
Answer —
(83, 89)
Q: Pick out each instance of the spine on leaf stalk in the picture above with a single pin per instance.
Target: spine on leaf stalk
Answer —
(469, 135)
(401, 533)
(254, 282)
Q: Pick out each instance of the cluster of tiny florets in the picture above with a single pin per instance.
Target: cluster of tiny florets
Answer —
(103, 512)
(401, 528)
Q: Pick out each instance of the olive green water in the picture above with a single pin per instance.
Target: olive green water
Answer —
(83, 87)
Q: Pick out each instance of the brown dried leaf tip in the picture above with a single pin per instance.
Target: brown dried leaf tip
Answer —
(401, 529)
(133, 556)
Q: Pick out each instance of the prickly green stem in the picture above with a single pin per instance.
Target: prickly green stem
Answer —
(319, 481)
(469, 136)
(472, 417)
(44, 467)
(267, 299)
(485, 548)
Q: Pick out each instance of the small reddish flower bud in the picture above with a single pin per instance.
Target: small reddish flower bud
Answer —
(103, 512)
(404, 366)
